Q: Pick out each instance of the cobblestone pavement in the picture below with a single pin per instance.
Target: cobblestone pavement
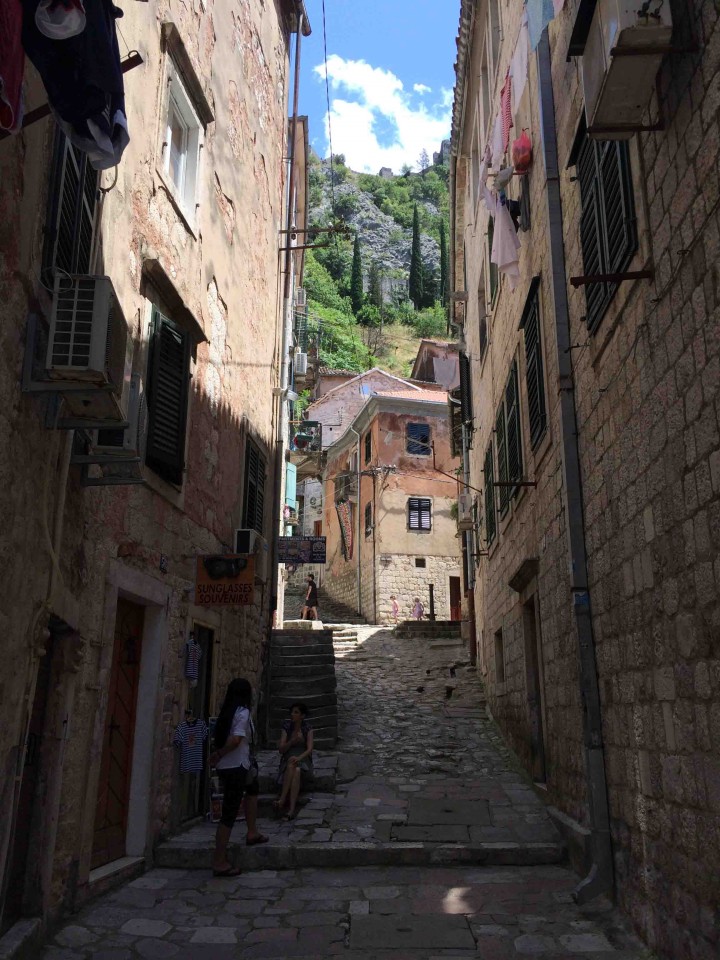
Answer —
(363, 913)
(423, 779)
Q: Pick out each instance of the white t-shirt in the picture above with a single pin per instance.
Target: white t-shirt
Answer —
(241, 726)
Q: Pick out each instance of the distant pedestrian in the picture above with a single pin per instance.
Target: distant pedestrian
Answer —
(234, 760)
(395, 608)
(311, 600)
(418, 610)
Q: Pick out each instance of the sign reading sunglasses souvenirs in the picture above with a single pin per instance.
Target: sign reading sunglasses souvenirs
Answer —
(225, 579)
(301, 550)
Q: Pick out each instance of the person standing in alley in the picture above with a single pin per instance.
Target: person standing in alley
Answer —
(311, 600)
(395, 608)
(418, 610)
(234, 760)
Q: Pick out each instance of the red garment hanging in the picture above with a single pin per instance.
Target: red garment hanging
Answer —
(506, 111)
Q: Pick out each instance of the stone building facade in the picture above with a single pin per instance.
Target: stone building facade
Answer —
(98, 600)
(390, 480)
(595, 584)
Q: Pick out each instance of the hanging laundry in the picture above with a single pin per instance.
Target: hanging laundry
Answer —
(193, 652)
(60, 19)
(505, 246)
(519, 64)
(539, 14)
(12, 65)
(506, 111)
(83, 81)
(522, 153)
(189, 737)
(558, 5)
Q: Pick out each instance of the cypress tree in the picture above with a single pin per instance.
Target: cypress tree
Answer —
(375, 285)
(416, 282)
(357, 296)
(443, 265)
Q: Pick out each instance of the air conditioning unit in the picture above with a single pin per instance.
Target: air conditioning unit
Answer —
(246, 540)
(89, 343)
(129, 442)
(300, 364)
(300, 297)
(465, 511)
(619, 65)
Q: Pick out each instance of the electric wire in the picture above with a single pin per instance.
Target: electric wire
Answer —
(329, 120)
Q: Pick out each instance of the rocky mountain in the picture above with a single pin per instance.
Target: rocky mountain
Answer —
(380, 209)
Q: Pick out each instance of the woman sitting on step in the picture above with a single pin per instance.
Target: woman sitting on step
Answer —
(296, 766)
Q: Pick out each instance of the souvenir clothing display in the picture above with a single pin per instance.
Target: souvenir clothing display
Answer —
(189, 738)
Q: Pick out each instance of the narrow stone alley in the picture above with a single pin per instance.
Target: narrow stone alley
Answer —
(422, 840)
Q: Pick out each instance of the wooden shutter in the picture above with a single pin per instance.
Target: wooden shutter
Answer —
(418, 439)
(254, 487)
(493, 269)
(368, 519)
(500, 441)
(608, 228)
(419, 517)
(466, 405)
(72, 193)
(489, 480)
(591, 231)
(483, 333)
(455, 420)
(534, 372)
(512, 421)
(368, 447)
(168, 385)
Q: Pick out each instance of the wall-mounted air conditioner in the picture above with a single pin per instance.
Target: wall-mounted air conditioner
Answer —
(300, 297)
(465, 511)
(300, 363)
(619, 65)
(89, 343)
(128, 442)
(250, 542)
(245, 540)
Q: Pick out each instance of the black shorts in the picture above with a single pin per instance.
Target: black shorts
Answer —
(233, 784)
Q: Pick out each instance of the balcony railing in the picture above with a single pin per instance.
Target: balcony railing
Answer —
(346, 486)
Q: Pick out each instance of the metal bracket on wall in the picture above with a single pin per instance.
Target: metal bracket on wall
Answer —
(612, 277)
(515, 483)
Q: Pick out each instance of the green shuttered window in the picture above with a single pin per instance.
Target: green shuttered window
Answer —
(489, 481)
(167, 394)
(534, 374)
(72, 198)
(509, 442)
(255, 470)
(608, 227)
(466, 403)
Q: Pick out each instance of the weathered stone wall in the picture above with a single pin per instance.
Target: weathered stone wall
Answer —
(117, 535)
(646, 393)
(398, 575)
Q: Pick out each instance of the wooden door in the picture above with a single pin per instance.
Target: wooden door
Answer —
(116, 765)
(455, 602)
(13, 906)
(534, 685)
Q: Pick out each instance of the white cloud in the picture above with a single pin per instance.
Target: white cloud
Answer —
(374, 100)
(421, 88)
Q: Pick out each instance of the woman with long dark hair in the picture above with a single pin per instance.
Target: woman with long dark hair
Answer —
(234, 760)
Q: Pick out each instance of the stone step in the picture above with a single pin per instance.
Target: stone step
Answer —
(196, 854)
(319, 717)
(293, 638)
(302, 687)
(294, 671)
(301, 650)
(283, 701)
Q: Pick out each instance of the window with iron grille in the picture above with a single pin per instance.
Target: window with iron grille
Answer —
(368, 447)
(168, 383)
(419, 513)
(482, 315)
(368, 519)
(72, 199)
(489, 481)
(509, 443)
(418, 439)
(534, 374)
(455, 420)
(254, 487)
(608, 227)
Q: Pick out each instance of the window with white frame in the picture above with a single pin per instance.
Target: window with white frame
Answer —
(181, 144)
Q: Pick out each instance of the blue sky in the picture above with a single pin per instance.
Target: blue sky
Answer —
(390, 64)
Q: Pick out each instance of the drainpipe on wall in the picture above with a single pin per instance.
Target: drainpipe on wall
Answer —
(282, 416)
(600, 878)
(357, 531)
(374, 566)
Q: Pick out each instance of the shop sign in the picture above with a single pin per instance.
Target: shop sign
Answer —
(225, 579)
(301, 549)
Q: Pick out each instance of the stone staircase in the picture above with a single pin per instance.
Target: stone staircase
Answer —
(436, 632)
(333, 612)
(302, 667)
